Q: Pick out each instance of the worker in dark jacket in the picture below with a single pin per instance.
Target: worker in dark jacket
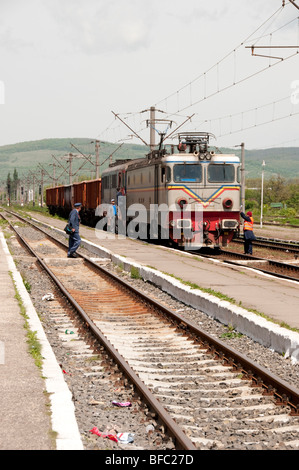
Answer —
(74, 239)
(248, 232)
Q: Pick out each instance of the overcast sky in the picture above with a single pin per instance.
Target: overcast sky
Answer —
(66, 64)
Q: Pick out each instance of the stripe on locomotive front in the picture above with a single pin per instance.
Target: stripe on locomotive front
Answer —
(205, 202)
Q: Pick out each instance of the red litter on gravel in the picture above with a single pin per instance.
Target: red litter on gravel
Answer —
(124, 404)
(112, 437)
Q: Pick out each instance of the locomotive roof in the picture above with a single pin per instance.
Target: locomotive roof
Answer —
(174, 157)
(191, 157)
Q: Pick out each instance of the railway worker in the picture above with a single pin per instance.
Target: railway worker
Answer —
(74, 238)
(248, 232)
(112, 215)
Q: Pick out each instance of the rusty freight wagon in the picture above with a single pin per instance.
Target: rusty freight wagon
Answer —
(61, 199)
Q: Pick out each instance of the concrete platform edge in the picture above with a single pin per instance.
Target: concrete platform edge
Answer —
(270, 335)
(62, 408)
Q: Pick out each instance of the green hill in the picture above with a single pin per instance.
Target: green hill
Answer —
(282, 161)
(26, 156)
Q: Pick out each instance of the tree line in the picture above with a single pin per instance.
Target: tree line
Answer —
(12, 185)
(276, 190)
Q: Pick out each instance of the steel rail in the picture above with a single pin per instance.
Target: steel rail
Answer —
(261, 377)
(279, 264)
(181, 439)
(278, 245)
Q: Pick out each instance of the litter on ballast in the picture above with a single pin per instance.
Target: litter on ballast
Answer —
(122, 437)
(48, 297)
(125, 437)
(121, 404)
(112, 437)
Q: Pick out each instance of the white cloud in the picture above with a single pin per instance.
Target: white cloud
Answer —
(103, 27)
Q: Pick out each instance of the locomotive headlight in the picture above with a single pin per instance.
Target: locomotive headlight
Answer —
(181, 202)
(228, 203)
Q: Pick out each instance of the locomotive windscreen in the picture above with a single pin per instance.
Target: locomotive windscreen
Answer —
(190, 173)
(221, 173)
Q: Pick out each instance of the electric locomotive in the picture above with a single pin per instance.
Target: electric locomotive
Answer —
(197, 189)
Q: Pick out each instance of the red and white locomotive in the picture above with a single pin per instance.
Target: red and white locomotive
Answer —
(199, 189)
(196, 193)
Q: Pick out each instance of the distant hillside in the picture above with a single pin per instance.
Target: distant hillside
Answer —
(282, 161)
(25, 156)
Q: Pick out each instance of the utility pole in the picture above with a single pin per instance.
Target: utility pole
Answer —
(262, 194)
(152, 122)
(65, 170)
(54, 184)
(97, 143)
(33, 203)
(70, 169)
(42, 189)
(152, 129)
(27, 191)
(88, 158)
(70, 162)
(243, 176)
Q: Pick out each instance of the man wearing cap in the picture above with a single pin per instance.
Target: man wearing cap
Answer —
(248, 232)
(74, 239)
(112, 217)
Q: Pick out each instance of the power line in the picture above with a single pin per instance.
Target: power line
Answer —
(176, 96)
(254, 109)
(253, 126)
(203, 75)
(181, 107)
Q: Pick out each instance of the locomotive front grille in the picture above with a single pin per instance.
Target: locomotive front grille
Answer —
(184, 223)
(229, 224)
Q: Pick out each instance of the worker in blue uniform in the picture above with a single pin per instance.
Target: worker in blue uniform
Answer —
(74, 238)
(112, 217)
(248, 232)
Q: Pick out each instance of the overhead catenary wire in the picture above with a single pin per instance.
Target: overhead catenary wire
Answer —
(204, 74)
(219, 120)
(192, 100)
(255, 109)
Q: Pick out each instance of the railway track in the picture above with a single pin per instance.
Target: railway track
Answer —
(276, 268)
(271, 267)
(197, 385)
(274, 244)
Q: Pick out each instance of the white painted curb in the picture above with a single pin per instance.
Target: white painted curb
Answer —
(259, 329)
(62, 408)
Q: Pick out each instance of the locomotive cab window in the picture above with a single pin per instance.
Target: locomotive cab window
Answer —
(187, 173)
(221, 173)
